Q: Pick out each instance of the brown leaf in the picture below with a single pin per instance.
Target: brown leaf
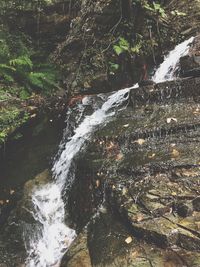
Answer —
(175, 153)
(119, 156)
(97, 183)
(139, 218)
(134, 254)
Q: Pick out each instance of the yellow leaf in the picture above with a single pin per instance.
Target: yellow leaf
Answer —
(128, 240)
(169, 120)
(124, 191)
(97, 183)
(151, 156)
(175, 153)
(140, 142)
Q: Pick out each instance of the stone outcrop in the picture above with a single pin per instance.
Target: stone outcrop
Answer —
(146, 170)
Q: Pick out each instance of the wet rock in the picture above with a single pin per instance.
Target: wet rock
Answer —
(184, 209)
(25, 205)
(190, 64)
(147, 168)
(196, 204)
(146, 83)
(78, 255)
(192, 73)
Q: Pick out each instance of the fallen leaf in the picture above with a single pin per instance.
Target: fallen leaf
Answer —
(139, 218)
(124, 191)
(12, 192)
(173, 193)
(175, 153)
(140, 142)
(128, 240)
(135, 254)
(31, 108)
(169, 120)
(97, 183)
(86, 85)
(125, 125)
(173, 145)
(151, 156)
(33, 115)
(119, 156)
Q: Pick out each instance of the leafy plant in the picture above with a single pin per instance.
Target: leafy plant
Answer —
(155, 8)
(23, 71)
(23, 62)
(124, 46)
(113, 67)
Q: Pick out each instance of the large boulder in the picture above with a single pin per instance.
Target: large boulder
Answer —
(190, 64)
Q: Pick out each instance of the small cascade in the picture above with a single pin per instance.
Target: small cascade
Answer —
(51, 238)
(168, 68)
(47, 248)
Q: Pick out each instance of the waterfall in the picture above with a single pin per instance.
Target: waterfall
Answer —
(52, 237)
(167, 69)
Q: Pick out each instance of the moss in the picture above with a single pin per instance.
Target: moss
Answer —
(11, 118)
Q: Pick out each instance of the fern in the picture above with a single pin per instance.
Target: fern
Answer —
(22, 62)
(36, 79)
(42, 81)
(6, 73)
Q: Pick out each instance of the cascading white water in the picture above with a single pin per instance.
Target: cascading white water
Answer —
(169, 66)
(52, 237)
(55, 237)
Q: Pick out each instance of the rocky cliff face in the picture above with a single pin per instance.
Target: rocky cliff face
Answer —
(144, 169)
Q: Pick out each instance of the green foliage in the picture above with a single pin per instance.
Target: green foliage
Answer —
(155, 8)
(10, 119)
(124, 46)
(23, 71)
(158, 9)
(23, 62)
(20, 66)
(113, 67)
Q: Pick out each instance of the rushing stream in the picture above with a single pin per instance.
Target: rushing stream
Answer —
(51, 238)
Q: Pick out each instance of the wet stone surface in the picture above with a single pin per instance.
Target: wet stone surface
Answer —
(146, 164)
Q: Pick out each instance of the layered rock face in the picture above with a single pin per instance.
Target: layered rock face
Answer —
(144, 171)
